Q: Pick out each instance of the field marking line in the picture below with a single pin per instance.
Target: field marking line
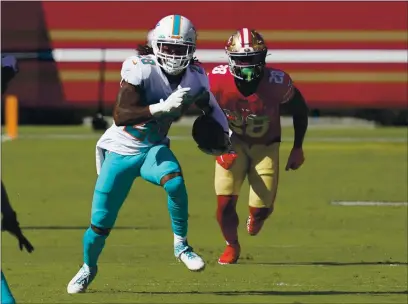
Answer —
(367, 203)
(5, 138)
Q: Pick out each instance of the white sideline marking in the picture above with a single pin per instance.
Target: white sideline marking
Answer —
(219, 56)
(5, 138)
(362, 203)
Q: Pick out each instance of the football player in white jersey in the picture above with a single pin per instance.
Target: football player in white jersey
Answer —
(155, 89)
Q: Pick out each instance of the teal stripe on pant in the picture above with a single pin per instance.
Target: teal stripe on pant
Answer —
(6, 296)
(116, 177)
(177, 204)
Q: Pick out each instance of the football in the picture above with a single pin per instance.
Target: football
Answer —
(209, 135)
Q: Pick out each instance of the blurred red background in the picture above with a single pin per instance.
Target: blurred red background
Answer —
(30, 26)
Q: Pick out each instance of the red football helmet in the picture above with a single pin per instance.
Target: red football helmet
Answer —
(246, 52)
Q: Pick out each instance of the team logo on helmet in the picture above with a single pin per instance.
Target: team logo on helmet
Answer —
(246, 50)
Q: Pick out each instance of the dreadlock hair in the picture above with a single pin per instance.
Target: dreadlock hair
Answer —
(144, 50)
(148, 50)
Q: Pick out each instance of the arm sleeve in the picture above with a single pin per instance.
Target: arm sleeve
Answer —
(288, 89)
(6, 208)
(218, 114)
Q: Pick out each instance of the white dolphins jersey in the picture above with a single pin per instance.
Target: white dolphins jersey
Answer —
(144, 71)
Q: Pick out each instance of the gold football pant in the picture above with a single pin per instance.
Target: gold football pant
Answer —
(260, 163)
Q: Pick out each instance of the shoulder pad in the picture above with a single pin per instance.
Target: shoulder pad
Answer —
(137, 68)
(220, 70)
(201, 75)
(282, 83)
(217, 73)
(196, 68)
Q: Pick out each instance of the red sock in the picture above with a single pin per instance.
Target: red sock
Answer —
(227, 217)
(260, 214)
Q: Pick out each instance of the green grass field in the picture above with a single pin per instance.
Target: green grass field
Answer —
(308, 252)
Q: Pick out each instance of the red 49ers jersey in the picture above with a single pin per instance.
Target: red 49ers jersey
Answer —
(255, 118)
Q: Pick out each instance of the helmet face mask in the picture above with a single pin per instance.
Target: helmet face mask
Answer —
(174, 42)
(246, 52)
(248, 66)
(174, 58)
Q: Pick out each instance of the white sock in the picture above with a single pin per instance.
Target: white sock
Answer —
(179, 239)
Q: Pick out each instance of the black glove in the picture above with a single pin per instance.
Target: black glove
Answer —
(9, 223)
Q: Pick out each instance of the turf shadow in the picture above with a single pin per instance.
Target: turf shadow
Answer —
(362, 263)
(260, 292)
(85, 227)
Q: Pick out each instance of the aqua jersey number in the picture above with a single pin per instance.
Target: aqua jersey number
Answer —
(152, 132)
(146, 60)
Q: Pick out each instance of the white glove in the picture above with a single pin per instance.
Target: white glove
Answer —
(173, 102)
(9, 61)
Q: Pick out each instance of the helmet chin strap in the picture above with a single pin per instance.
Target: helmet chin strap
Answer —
(174, 72)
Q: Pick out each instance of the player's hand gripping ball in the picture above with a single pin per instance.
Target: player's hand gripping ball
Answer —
(201, 100)
(210, 136)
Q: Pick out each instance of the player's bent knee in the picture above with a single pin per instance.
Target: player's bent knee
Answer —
(101, 231)
(226, 206)
(175, 186)
(226, 203)
(103, 219)
(168, 177)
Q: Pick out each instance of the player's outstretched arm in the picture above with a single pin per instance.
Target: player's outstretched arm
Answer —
(209, 105)
(218, 114)
(9, 222)
(299, 110)
(128, 109)
(6, 208)
(206, 102)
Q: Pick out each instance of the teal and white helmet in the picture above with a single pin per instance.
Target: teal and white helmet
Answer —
(174, 42)
(150, 37)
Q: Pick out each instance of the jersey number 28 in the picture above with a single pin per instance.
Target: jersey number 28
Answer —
(254, 126)
(220, 69)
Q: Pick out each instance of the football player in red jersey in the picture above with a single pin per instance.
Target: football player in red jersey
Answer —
(253, 97)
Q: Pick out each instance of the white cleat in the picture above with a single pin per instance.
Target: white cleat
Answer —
(191, 259)
(82, 279)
